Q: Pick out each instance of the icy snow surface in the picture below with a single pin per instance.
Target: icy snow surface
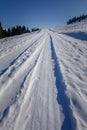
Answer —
(43, 81)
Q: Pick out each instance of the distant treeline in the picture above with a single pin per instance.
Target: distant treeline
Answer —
(16, 30)
(76, 19)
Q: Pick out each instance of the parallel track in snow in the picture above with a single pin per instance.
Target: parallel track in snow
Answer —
(34, 90)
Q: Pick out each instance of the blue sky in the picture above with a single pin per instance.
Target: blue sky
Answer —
(40, 13)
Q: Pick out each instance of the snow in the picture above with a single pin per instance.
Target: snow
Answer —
(43, 80)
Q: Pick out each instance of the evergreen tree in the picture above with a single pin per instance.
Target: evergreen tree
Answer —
(77, 19)
(9, 32)
(1, 30)
(16, 30)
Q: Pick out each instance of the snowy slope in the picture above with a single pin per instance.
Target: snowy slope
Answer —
(43, 82)
(75, 27)
(77, 30)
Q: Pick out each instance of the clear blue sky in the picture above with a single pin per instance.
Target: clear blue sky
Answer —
(40, 13)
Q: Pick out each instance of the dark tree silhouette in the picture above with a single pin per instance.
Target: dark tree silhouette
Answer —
(76, 19)
(15, 30)
(1, 30)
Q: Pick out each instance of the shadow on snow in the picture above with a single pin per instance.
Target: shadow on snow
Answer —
(69, 121)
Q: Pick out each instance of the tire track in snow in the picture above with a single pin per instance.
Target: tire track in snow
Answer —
(15, 84)
(16, 102)
(17, 62)
(31, 93)
(20, 55)
(72, 58)
(69, 121)
(39, 110)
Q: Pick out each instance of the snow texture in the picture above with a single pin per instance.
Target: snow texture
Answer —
(43, 80)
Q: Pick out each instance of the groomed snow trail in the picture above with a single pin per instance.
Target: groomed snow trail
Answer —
(40, 89)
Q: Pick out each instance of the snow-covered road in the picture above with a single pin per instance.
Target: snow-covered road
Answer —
(43, 82)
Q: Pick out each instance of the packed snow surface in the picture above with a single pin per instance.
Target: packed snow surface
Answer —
(43, 82)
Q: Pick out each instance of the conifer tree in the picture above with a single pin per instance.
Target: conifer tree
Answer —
(77, 19)
(1, 30)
